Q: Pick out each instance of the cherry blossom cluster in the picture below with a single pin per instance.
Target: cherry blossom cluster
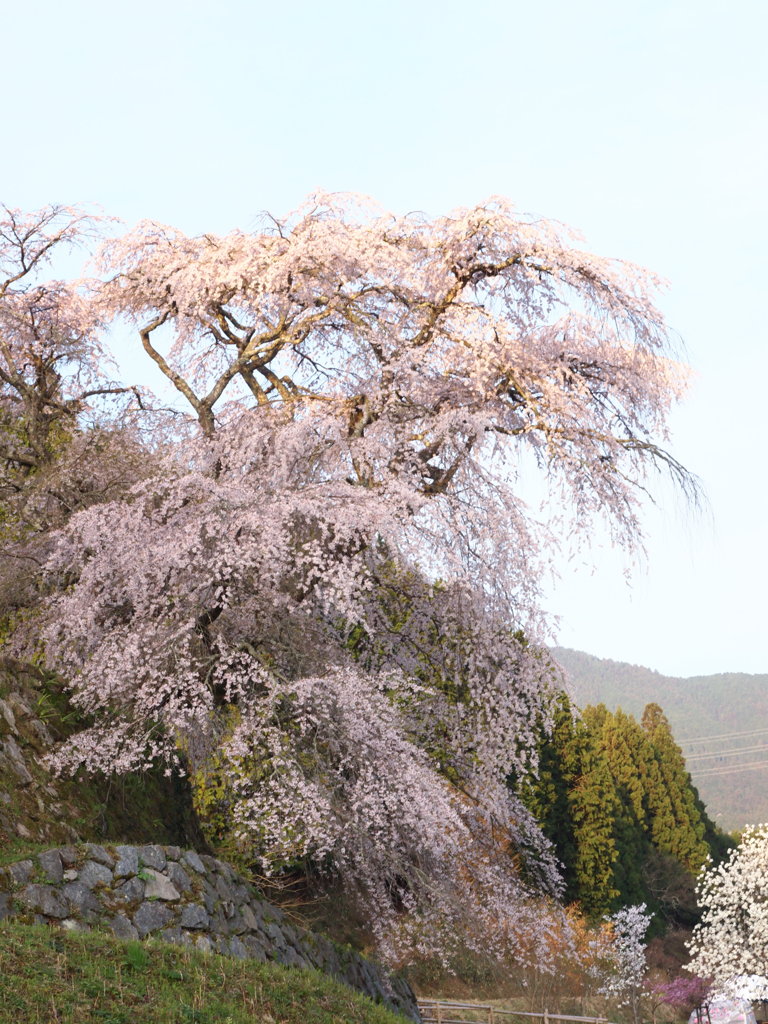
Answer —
(618, 957)
(325, 580)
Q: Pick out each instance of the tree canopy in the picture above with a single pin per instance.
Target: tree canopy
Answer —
(615, 799)
(316, 584)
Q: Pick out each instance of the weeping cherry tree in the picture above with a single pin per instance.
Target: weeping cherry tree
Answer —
(328, 590)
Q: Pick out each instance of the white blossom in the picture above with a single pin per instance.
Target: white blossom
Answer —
(730, 944)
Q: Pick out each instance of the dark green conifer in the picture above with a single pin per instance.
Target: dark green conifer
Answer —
(685, 841)
(574, 800)
(615, 799)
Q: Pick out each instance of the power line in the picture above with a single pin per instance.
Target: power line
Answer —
(722, 736)
(726, 753)
(734, 769)
(730, 769)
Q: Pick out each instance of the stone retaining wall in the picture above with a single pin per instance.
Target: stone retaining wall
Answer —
(184, 897)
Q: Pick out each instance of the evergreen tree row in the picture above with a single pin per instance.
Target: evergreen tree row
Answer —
(616, 800)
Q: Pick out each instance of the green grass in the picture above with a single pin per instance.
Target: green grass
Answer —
(53, 977)
(21, 849)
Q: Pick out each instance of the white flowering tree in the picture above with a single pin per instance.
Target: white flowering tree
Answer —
(319, 594)
(620, 960)
(730, 944)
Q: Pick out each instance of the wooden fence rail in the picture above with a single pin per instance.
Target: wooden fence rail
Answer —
(447, 1011)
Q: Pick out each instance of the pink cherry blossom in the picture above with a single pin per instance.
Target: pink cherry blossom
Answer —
(328, 586)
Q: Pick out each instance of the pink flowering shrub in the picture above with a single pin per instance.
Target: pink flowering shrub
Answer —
(681, 993)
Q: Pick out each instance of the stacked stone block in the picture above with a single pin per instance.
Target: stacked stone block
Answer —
(182, 897)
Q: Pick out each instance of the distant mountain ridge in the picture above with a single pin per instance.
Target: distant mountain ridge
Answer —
(700, 706)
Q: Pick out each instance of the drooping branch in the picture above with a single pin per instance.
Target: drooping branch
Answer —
(330, 593)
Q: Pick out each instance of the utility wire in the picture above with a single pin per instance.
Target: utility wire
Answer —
(730, 769)
(721, 736)
(727, 753)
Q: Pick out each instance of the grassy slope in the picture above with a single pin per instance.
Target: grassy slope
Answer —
(699, 706)
(52, 976)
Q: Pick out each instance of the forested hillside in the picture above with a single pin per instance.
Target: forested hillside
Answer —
(720, 721)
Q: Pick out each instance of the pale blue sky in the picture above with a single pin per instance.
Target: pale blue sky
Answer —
(644, 125)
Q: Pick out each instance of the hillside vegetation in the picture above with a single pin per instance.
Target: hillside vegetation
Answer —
(305, 601)
(613, 853)
(95, 979)
(696, 707)
(38, 810)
